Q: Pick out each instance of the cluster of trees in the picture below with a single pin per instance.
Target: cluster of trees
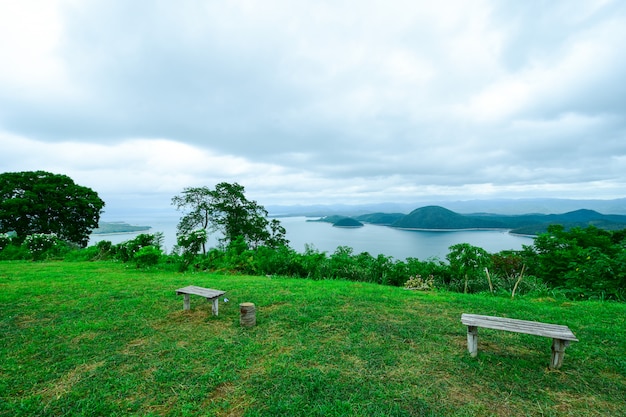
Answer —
(40, 202)
(226, 209)
(580, 262)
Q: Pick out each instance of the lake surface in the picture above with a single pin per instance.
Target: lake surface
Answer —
(400, 244)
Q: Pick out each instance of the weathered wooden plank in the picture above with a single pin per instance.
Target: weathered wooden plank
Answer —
(203, 292)
(554, 331)
(208, 293)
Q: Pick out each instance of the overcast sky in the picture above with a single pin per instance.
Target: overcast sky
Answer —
(317, 102)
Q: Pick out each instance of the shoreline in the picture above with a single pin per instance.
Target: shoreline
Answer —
(120, 233)
(469, 229)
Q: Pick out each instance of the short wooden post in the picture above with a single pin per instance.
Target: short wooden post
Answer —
(215, 306)
(186, 302)
(248, 314)
(558, 353)
(472, 340)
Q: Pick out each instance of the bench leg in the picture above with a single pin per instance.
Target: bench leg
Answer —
(186, 303)
(215, 306)
(558, 353)
(472, 340)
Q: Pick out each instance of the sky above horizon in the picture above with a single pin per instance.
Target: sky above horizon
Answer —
(317, 102)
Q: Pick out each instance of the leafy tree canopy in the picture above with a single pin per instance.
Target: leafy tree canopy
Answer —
(588, 262)
(226, 209)
(41, 202)
(468, 260)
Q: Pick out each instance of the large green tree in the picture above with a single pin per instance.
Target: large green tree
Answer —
(42, 202)
(468, 262)
(226, 209)
(583, 262)
(196, 202)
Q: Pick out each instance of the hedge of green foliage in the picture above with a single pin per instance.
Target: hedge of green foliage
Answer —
(579, 263)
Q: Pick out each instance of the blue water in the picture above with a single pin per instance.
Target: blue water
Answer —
(397, 243)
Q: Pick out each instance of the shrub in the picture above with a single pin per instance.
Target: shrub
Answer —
(583, 263)
(126, 251)
(99, 252)
(45, 246)
(5, 240)
(438, 270)
(147, 256)
(468, 264)
(13, 252)
(190, 244)
(420, 284)
(278, 261)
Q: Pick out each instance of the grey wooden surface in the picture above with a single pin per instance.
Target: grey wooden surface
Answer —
(554, 331)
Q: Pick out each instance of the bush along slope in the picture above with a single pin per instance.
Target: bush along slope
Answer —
(578, 263)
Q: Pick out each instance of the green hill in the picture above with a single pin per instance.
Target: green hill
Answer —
(383, 219)
(329, 219)
(339, 221)
(435, 217)
(348, 222)
(439, 218)
(112, 340)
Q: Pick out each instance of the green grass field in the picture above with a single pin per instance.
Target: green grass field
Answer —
(100, 338)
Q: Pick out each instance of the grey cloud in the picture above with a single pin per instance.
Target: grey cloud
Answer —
(336, 93)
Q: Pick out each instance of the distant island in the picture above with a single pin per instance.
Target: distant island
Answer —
(440, 218)
(117, 227)
(348, 222)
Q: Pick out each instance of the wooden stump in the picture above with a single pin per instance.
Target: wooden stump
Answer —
(248, 314)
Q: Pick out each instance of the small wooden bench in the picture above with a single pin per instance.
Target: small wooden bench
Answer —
(208, 293)
(561, 335)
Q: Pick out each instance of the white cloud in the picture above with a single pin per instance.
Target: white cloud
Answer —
(30, 34)
(318, 101)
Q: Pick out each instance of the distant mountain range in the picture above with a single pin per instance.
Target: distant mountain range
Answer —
(440, 218)
(499, 206)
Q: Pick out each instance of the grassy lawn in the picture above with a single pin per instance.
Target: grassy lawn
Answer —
(103, 339)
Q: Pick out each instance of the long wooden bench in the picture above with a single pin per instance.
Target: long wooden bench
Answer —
(561, 335)
(208, 293)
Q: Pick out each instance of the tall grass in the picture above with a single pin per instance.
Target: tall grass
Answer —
(100, 338)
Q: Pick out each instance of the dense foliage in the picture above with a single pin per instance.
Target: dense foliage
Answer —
(348, 222)
(577, 263)
(226, 210)
(582, 262)
(43, 203)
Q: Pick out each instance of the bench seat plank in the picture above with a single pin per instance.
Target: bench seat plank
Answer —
(202, 292)
(208, 293)
(554, 331)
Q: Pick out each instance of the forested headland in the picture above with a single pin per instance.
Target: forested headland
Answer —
(118, 227)
(440, 218)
